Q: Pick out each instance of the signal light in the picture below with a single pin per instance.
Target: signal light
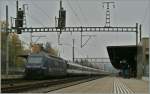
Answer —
(19, 20)
(62, 19)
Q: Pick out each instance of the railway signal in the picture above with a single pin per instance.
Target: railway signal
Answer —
(62, 17)
(19, 18)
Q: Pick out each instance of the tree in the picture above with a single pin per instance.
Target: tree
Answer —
(36, 48)
(51, 51)
(15, 48)
(3, 45)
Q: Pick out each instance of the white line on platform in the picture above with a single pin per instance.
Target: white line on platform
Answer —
(121, 88)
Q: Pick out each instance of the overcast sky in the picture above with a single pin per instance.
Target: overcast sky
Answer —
(83, 13)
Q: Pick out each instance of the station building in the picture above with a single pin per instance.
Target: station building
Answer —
(143, 58)
(131, 60)
(124, 59)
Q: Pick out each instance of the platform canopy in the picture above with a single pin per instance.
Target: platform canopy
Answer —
(122, 54)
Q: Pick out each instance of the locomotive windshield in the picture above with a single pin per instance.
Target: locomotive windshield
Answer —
(34, 59)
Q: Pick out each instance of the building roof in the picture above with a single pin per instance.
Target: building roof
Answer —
(120, 53)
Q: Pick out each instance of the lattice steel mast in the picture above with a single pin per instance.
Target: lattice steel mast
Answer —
(107, 22)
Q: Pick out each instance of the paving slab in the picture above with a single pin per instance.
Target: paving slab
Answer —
(138, 86)
(103, 85)
(109, 85)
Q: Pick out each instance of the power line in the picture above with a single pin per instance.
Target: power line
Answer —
(145, 13)
(107, 22)
(74, 12)
(35, 19)
(75, 47)
(82, 13)
(42, 10)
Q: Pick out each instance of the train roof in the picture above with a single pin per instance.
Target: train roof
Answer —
(78, 65)
(45, 54)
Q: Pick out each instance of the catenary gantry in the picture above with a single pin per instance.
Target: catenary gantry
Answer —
(77, 29)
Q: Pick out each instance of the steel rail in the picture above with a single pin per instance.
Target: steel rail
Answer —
(21, 87)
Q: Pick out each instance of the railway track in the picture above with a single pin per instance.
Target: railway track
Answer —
(52, 84)
(7, 82)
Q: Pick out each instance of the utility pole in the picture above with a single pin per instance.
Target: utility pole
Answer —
(73, 50)
(107, 23)
(140, 29)
(30, 42)
(7, 44)
(60, 22)
(136, 34)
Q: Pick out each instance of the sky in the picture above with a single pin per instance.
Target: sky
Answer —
(41, 13)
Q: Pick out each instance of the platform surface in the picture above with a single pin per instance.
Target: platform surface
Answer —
(109, 85)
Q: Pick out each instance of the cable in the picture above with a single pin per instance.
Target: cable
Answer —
(115, 15)
(7, 2)
(40, 9)
(82, 13)
(115, 21)
(74, 12)
(79, 52)
(35, 19)
(145, 13)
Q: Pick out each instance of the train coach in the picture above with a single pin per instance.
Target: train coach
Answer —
(43, 65)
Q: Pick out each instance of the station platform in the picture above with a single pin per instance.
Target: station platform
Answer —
(109, 85)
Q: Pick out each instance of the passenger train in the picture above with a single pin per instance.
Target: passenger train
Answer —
(44, 65)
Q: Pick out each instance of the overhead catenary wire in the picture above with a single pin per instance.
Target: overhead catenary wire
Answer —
(74, 12)
(76, 48)
(115, 21)
(42, 10)
(32, 17)
(35, 19)
(145, 13)
(82, 13)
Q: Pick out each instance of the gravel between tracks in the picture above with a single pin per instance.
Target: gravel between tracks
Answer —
(21, 87)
